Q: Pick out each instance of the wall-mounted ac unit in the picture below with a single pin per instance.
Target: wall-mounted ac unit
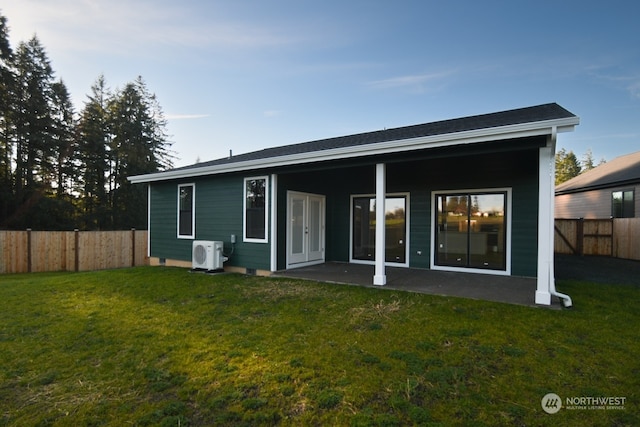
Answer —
(207, 255)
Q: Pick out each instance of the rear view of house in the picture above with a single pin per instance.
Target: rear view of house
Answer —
(472, 194)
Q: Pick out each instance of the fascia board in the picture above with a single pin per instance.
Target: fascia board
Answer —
(396, 146)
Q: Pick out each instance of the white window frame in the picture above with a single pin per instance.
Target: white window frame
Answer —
(434, 213)
(407, 219)
(193, 212)
(266, 210)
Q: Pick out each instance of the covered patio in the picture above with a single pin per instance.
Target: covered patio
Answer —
(505, 289)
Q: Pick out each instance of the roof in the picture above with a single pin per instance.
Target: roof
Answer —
(623, 170)
(521, 122)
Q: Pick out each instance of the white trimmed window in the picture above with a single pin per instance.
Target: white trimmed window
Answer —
(472, 230)
(186, 211)
(256, 202)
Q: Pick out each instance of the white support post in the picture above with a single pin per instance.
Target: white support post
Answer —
(274, 222)
(380, 277)
(546, 222)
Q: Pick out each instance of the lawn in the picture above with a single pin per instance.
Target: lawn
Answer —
(162, 346)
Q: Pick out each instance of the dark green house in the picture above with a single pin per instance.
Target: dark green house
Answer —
(472, 194)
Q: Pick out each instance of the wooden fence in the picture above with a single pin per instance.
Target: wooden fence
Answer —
(39, 251)
(617, 237)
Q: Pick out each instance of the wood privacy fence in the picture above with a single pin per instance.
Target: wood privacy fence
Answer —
(39, 251)
(616, 237)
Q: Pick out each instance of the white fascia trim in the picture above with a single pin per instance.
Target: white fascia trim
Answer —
(396, 146)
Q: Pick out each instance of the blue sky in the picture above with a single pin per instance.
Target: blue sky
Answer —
(246, 75)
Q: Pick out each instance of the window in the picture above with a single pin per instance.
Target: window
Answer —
(256, 200)
(471, 230)
(364, 229)
(186, 211)
(622, 204)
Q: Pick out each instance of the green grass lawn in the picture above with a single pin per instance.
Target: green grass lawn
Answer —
(162, 346)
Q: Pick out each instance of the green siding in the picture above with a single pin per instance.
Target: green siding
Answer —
(460, 170)
(219, 201)
(219, 213)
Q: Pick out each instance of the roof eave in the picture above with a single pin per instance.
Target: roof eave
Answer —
(396, 146)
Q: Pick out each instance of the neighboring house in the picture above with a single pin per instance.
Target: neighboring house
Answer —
(607, 191)
(472, 194)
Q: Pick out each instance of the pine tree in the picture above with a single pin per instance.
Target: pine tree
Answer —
(63, 140)
(93, 139)
(7, 88)
(139, 145)
(33, 123)
(567, 166)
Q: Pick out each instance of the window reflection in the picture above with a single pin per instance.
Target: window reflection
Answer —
(364, 229)
(471, 230)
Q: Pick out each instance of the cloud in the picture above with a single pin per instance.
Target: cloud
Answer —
(128, 27)
(634, 89)
(186, 116)
(414, 83)
(271, 113)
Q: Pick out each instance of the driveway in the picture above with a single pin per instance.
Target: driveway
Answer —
(599, 269)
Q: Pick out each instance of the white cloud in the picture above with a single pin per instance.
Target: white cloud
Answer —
(129, 26)
(186, 116)
(271, 113)
(413, 83)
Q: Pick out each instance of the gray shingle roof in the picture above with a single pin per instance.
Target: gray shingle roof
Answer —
(537, 113)
(623, 170)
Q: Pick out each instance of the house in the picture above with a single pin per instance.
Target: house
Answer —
(473, 194)
(606, 191)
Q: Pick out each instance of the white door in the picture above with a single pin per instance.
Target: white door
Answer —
(305, 229)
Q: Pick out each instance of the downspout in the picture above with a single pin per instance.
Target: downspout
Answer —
(566, 299)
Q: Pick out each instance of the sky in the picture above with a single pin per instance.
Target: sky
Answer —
(247, 75)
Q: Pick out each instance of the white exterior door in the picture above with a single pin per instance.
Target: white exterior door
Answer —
(305, 229)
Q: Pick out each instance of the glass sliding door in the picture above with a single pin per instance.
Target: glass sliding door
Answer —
(364, 229)
(471, 230)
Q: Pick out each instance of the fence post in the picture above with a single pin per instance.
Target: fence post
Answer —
(28, 250)
(133, 247)
(76, 237)
(580, 237)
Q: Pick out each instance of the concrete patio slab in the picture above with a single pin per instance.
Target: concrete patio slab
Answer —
(506, 289)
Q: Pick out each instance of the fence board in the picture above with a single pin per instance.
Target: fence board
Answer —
(566, 240)
(627, 241)
(38, 251)
(13, 245)
(619, 237)
(598, 237)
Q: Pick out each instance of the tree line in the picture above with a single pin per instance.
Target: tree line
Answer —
(568, 166)
(61, 169)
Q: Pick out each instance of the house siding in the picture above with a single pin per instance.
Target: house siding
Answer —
(218, 215)
(594, 204)
(516, 170)
(219, 202)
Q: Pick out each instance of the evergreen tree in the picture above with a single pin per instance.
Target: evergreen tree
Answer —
(139, 145)
(567, 166)
(587, 161)
(63, 140)
(93, 139)
(33, 123)
(7, 88)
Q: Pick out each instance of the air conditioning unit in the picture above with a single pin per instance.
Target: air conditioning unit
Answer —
(207, 255)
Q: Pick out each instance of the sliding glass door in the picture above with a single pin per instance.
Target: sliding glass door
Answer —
(364, 229)
(471, 230)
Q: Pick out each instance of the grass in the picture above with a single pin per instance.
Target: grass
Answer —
(161, 346)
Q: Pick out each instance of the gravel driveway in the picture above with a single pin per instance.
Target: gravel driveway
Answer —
(598, 269)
